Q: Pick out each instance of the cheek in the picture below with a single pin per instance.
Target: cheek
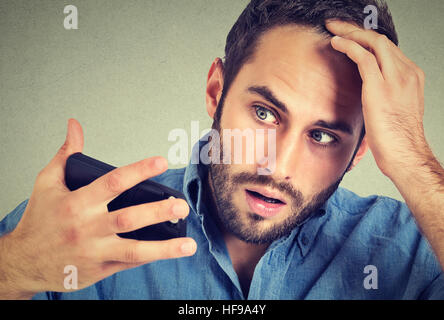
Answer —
(241, 140)
(236, 116)
(320, 167)
(314, 167)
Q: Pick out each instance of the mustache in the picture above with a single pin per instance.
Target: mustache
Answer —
(264, 180)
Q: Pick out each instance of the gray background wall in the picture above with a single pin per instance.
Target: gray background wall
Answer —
(135, 70)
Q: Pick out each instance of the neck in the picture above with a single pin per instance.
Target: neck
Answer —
(244, 256)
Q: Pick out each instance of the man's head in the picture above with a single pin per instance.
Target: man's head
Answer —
(281, 73)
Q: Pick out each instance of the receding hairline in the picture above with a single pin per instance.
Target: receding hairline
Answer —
(315, 30)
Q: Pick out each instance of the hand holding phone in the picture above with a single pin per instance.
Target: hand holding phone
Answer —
(95, 227)
(81, 170)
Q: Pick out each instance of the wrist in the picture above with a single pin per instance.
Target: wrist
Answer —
(420, 177)
(403, 162)
(12, 278)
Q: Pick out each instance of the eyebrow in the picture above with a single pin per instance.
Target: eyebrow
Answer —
(266, 93)
(335, 125)
(269, 96)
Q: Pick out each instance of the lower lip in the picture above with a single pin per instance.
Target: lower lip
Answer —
(263, 208)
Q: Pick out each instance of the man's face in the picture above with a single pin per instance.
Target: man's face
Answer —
(310, 94)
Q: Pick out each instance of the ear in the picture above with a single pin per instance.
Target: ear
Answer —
(215, 85)
(360, 153)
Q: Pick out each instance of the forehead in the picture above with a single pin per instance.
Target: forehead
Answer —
(300, 66)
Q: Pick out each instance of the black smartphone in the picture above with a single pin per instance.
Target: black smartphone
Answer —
(81, 170)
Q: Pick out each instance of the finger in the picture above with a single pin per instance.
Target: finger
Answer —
(366, 61)
(73, 143)
(139, 216)
(384, 49)
(135, 252)
(110, 185)
(367, 38)
(347, 30)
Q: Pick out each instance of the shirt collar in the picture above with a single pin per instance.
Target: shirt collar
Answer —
(195, 178)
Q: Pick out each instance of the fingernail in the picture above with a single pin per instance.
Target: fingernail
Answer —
(336, 39)
(188, 247)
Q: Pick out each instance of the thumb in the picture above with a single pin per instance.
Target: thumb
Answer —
(73, 143)
(74, 140)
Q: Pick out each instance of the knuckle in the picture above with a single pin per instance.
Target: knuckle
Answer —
(113, 182)
(132, 254)
(123, 222)
(71, 235)
(382, 40)
(42, 178)
(143, 167)
(70, 209)
(367, 58)
(64, 148)
(161, 210)
(411, 78)
(154, 211)
(72, 222)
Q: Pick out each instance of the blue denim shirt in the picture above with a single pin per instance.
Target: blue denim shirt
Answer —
(327, 257)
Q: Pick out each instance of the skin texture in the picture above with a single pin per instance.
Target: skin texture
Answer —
(358, 77)
(60, 228)
(393, 108)
(315, 83)
(309, 74)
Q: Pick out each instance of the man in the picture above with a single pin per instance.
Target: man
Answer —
(288, 234)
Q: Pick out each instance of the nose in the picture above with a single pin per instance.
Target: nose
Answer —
(284, 156)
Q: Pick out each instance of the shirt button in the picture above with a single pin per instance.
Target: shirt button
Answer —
(304, 240)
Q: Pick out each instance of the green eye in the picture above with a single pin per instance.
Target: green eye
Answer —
(322, 137)
(265, 114)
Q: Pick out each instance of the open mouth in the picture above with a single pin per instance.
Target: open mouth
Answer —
(264, 198)
(262, 205)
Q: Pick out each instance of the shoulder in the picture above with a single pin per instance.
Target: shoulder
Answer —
(383, 224)
(348, 204)
(378, 222)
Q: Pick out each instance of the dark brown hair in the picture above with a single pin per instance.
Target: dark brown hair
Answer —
(262, 15)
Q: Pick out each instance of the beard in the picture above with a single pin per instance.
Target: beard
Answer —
(251, 227)
(226, 184)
